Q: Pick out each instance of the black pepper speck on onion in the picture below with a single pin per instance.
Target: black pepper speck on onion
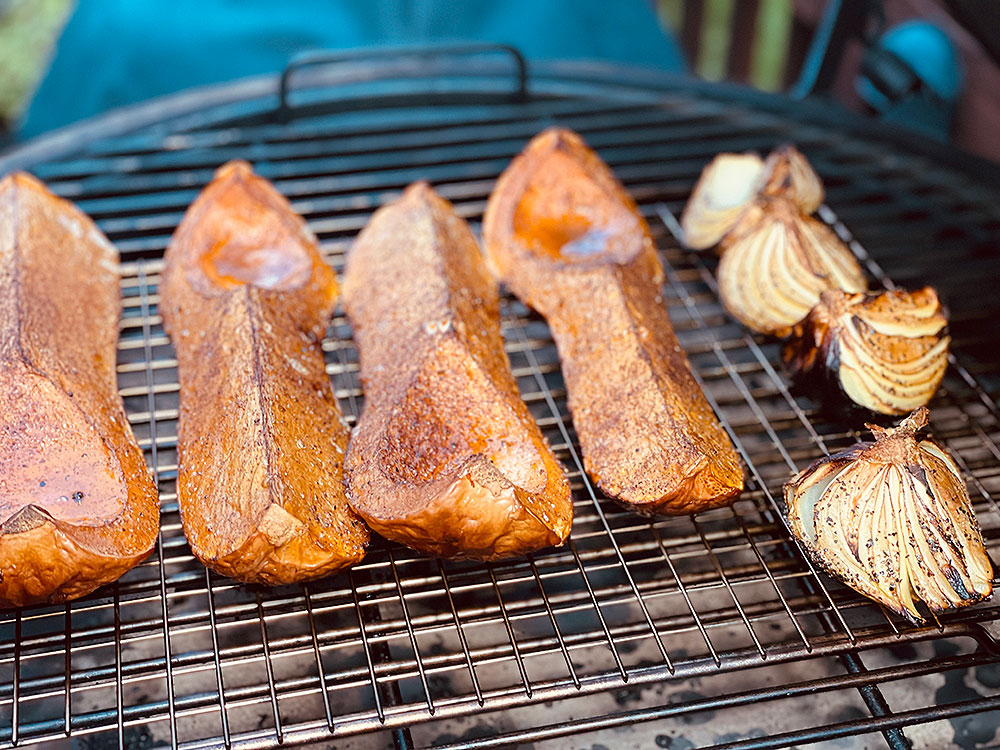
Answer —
(892, 519)
(885, 351)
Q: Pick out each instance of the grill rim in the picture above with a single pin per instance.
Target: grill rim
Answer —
(168, 109)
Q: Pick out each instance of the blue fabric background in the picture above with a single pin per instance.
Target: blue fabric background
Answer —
(115, 52)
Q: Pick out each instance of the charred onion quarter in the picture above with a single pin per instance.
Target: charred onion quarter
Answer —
(732, 183)
(776, 258)
(777, 261)
(787, 173)
(886, 351)
(893, 520)
(78, 506)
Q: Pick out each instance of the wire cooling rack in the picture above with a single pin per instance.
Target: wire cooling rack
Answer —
(401, 645)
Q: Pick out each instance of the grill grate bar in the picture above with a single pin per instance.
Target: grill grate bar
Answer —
(554, 410)
(774, 583)
(410, 631)
(216, 656)
(876, 702)
(888, 725)
(144, 307)
(466, 121)
(68, 678)
(684, 592)
(320, 671)
(510, 633)
(790, 739)
(555, 623)
(269, 667)
(461, 634)
(688, 131)
(119, 686)
(15, 713)
(729, 587)
(459, 141)
(368, 652)
(597, 611)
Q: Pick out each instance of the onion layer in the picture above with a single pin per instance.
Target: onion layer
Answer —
(731, 183)
(885, 351)
(726, 187)
(788, 174)
(893, 520)
(777, 261)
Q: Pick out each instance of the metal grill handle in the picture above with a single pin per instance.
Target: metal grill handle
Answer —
(424, 51)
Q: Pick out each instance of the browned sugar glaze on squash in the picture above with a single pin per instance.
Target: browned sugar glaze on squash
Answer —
(78, 507)
(446, 458)
(567, 239)
(246, 299)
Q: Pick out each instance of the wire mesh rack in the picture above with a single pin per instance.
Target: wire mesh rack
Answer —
(402, 644)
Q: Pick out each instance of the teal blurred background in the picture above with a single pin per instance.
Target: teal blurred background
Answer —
(66, 60)
(116, 52)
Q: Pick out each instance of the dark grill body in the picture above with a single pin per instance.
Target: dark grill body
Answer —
(623, 623)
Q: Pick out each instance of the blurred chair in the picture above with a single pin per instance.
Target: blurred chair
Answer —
(757, 42)
(824, 48)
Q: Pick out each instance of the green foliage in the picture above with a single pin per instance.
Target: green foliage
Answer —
(771, 32)
(28, 30)
(770, 53)
(713, 53)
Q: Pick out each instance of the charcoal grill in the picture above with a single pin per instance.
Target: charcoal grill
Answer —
(712, 626)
